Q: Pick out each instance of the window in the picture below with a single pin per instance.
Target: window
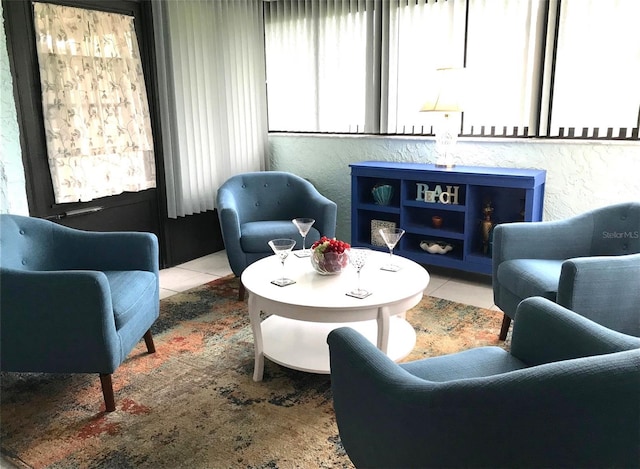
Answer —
(597, 69)
(548, 68)
(317, 65)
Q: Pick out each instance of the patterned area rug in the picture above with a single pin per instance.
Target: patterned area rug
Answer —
(194, 404)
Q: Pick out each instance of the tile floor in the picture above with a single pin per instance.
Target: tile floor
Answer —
(463, 287)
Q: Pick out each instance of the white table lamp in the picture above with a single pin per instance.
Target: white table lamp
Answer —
(446, 95)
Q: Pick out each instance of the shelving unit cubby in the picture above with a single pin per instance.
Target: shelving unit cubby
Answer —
(514, 195)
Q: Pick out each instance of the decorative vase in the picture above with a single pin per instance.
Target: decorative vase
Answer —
(436, 221)
(382, 194)
(486, 226)
(329, 263)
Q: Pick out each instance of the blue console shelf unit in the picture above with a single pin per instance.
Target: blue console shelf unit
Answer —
(459, 195)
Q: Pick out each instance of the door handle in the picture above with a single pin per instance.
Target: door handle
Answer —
(75, 213)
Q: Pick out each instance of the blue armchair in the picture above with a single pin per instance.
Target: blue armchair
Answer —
(254, 208)
(589, 264)
(565, 396)
(74, 301)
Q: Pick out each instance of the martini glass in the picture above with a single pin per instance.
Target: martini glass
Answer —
(358, 257)
(391, 236)
(303, 225)
(281, 248)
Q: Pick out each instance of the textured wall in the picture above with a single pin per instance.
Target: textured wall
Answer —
(13, 195)
(580, 176)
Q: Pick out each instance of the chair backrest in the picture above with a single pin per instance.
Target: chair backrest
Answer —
(269, 195)
(27, 243)
(616, 229)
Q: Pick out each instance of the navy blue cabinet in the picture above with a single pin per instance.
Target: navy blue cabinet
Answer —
(440, 209)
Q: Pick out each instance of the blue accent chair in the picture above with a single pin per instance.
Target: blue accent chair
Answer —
(589, 264)
(257, 207)
(74, 301)
(565, 396)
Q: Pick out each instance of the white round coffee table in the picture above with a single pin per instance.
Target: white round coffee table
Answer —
(300, 316)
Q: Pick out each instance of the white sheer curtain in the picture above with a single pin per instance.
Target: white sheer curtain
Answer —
(94, 102)
(212, 94)
(312, 87)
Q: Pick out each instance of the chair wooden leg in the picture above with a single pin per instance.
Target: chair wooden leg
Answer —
(148, 339)
(241, 292)
(107, 392)
(506, 322)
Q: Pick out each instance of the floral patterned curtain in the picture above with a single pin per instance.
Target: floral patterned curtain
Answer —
(94, 101)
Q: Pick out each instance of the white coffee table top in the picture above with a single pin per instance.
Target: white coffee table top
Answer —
(313, 292)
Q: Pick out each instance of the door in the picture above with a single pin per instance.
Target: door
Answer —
(138, 211)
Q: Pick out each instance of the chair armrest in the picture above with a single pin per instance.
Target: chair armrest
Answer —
(230, 227)
(605, 289)
(89, 250)
(57, 322)
(546, 332)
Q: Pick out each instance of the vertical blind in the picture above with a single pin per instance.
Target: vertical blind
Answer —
(212, 92)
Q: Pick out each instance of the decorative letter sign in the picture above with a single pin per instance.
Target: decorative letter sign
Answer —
(450, 196)
(421, 191)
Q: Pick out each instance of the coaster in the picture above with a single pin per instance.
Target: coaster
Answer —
(301, 253)
(391, 268)
(283, 282)
(360, 295)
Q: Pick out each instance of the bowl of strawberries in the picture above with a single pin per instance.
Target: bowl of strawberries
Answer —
(329, 256)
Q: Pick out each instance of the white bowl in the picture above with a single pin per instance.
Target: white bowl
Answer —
(435, 247)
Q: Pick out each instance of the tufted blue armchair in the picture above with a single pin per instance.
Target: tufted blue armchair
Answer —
(254, 208)
(589, 263)
(565, 396)
(74, 301)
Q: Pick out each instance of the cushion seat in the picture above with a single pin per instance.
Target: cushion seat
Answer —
(473, 363)
(531, 277)
(256, 235)
(128, 289)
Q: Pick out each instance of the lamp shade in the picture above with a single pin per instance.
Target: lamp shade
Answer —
(445, 91)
